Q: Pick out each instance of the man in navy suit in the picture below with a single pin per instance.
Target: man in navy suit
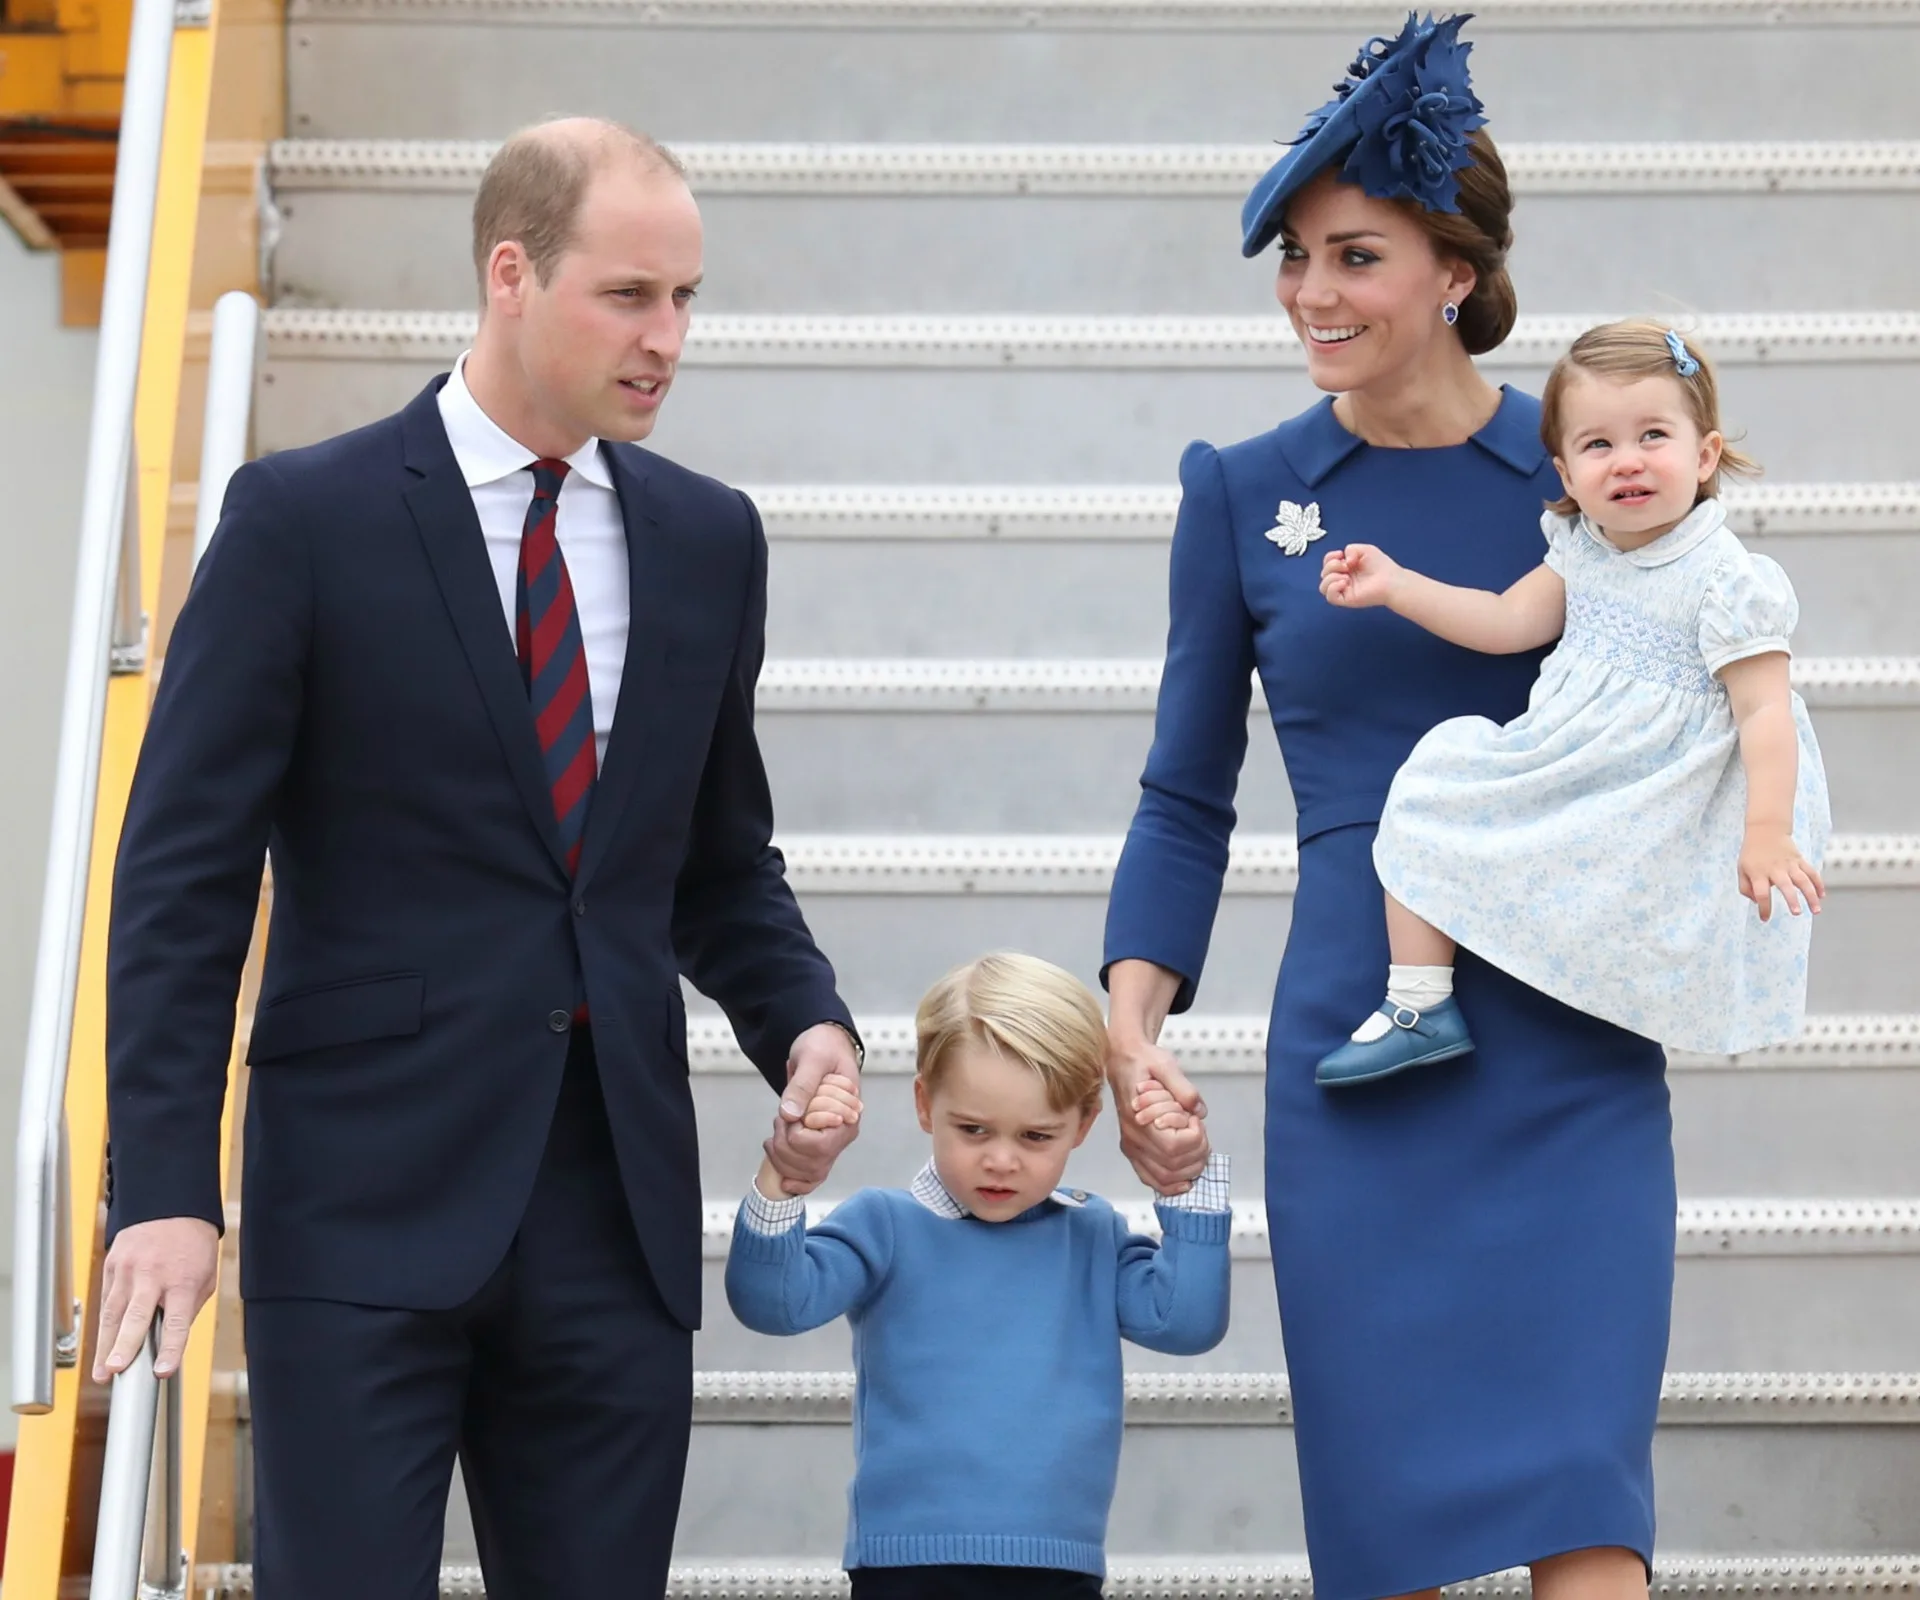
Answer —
(480, 676)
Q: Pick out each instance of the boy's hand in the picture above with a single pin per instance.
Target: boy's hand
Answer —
(1155, 1107)
(802, 1153)
(1770, 861)
(1358, 575)
(1166, 1159)
(836, 1104)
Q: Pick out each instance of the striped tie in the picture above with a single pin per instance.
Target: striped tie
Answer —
(553, 660)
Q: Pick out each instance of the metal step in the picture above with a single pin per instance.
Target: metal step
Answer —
(1015, 745)
(1244, 70)
(1254, 1578)
(1006, 571)
(1759, 1285)
(1829, 1118)
(1126, 229)
(894, 912)
(1073, 399)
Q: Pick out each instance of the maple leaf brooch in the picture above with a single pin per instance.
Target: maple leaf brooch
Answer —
(1296, 527)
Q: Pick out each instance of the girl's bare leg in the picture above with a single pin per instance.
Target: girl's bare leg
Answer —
(1415, 942)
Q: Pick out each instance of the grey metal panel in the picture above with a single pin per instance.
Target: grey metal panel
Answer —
(1675, 253)
(363, 78)
(888, 948)
(1107, 597)
(1026, 772)
(931, 425)
(1808, 1132)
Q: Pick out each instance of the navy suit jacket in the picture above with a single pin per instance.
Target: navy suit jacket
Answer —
(341, 690)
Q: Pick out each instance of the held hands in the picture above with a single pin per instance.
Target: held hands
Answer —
(1770, 860)
(836, 1104)
(1358, 575)
(167, 1265)
(820, 1112)
(1163, 1130)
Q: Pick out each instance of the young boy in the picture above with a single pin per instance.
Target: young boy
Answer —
(988, 1304)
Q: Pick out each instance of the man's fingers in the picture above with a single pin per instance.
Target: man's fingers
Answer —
(134, 1326)
(809, 1072)
(113, 1307)
(175, 1323)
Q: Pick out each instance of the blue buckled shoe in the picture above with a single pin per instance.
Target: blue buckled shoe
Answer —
(1416, 1039)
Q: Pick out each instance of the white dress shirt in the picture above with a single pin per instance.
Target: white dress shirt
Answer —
(590, 530)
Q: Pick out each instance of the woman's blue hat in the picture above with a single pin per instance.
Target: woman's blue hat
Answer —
(1399, 123)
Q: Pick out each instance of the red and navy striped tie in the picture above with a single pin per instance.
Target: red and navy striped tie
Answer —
(553, 660)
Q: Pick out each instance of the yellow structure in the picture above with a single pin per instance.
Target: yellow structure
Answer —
(224, 105)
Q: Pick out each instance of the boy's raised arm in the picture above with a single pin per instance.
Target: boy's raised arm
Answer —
(1173, 1296)
(784, 1278)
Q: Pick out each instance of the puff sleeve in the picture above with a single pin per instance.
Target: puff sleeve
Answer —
(1561, 531)
(1749, 610)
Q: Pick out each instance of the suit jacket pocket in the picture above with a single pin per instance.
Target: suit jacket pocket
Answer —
(352, 1012)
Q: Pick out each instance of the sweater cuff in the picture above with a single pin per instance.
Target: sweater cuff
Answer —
(1211, 1191)
(772, 1217)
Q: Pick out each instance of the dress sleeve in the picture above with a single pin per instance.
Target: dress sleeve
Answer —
(1749, 610)
(1560, 531)
(1166, 888)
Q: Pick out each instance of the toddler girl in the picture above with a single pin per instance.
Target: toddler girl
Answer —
(1585, 847)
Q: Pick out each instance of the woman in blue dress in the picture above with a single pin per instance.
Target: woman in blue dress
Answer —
(1475, 1261)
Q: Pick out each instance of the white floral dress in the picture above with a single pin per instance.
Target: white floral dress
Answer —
(1589, 847)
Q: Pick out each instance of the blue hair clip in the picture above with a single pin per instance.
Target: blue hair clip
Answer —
(1683, 363)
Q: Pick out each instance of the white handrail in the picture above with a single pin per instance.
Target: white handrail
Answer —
(223, 444)
(39, 1324)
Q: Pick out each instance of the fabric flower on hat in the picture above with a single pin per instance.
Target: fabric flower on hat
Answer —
(1415, 117)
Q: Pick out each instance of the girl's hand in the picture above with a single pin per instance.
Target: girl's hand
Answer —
(1770, 861)
(1358, 575)
(835, 1105)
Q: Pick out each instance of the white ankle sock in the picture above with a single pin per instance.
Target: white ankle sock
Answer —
(1416, 988)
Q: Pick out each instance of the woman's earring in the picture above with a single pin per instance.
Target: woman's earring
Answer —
(1450, 313)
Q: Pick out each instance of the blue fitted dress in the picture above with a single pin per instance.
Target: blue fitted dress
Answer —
(1474, 1260)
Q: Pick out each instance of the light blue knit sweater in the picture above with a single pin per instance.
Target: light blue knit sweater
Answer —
(987, 1412)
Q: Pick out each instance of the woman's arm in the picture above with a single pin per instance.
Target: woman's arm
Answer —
(1531, 613)
(1761, 692)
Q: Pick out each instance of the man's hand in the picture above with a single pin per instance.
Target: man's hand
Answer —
(1163, 1130)
(166, 1265)
(804, 1147)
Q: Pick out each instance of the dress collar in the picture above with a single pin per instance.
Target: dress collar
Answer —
(486, 452)
(1315, 443)
(938, 1198)
(1701, 523)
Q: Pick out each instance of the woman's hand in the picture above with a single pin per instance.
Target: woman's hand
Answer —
(1358, 575)
(1770, 860)
(1163, 1130)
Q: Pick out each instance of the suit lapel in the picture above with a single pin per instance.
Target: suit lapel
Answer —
(641, 704)
(442, 510)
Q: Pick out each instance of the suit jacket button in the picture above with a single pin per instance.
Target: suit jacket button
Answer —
(559, 1021)
(579, 908)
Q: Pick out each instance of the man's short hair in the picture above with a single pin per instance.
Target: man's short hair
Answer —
(1025, 1009)
(533, 187)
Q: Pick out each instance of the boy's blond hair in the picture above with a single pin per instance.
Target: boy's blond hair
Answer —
(1638, 349)
(1029, 1011)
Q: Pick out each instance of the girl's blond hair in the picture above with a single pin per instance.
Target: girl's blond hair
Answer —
(1639, 349)
(1026, 1009)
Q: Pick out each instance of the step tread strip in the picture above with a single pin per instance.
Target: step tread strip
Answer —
(1185, 171)
(1238, 1045)
(881, 684)
(1157, 342)
(1258, 864)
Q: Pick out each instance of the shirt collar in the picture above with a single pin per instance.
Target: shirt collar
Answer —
(1315, 443)
(938, 1198)
(486, 452)
(1701, 523)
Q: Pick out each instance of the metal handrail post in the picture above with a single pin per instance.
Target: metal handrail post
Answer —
(126, 1477)
(39, 1194)
(223, 440)
(66, 1304)
(163, 1564)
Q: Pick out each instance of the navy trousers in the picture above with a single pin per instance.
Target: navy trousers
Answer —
(563, 1388)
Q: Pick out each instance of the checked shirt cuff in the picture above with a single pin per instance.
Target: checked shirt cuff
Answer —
(1210, 1191)
(771, 1217)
